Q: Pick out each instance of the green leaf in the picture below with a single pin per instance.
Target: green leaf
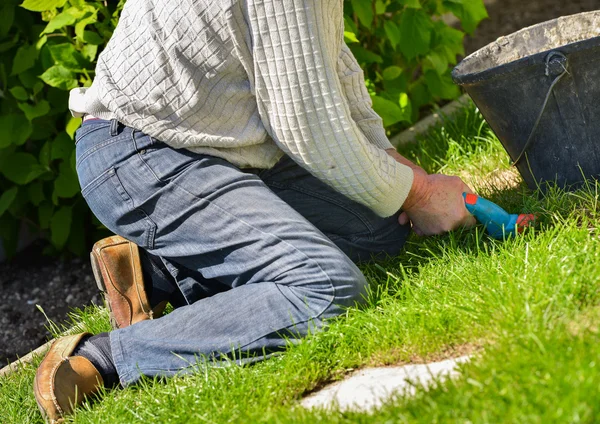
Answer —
(60, 21)
(415, 4)
(35, 111)
(41, 42)
(62, 146)
(45, 212)
(389, 111)
(419, 94)
(66, 55)
(436, 61)
(35, 192)
(393, 33)
(58, 99)
(80, 26)
(349, 25)
(60, 77)
(19, 93)
(393, 88)
(470, 12)
(44, 156)
(72, 125)
(415, 33)
(350, 37)
(7, 198)
(449, 41)
(29, 78)
(67, 183)
(15, 129)
(7, 17)
(392, 72)
(37, 87)
(406, 106)
(89, 52)
(60, 226)
(6, 46)
(24, 59)
(42, 5)
(364, 11)
(22, 168)
(441, 85)
(93, 38)
(380, 7)
(19, 204)
(365, 56)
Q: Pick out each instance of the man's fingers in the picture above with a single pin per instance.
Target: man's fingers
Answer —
(403, 219)
(472, 221)
(467, 189)
(469, 221)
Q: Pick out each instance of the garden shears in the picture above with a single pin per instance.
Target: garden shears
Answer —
(498, 223)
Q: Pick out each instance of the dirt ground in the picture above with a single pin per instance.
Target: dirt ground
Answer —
(58, 286)
(508, 16)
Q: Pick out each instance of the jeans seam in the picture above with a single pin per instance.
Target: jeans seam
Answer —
(327, 199)
(84, 130)
(135, 145)
(98, 147)
(148, 222)
(96, 182)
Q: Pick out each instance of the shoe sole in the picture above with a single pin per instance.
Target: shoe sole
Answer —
(102, 287)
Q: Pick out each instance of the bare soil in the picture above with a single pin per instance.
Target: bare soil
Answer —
(508, 16)
(58, 285)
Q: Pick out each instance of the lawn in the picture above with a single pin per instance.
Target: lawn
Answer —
(527, 309)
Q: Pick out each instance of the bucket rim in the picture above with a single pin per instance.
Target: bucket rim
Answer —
(462, 78)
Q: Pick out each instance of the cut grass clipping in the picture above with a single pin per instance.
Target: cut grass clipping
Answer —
(526, 308)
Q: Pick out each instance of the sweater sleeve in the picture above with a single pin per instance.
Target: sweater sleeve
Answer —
(361, 106)
(296, 45)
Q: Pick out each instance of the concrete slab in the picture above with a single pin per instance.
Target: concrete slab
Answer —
(369, 388)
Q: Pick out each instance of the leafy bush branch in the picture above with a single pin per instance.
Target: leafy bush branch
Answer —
(407, 51)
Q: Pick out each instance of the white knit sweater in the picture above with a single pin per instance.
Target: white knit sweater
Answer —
(247, 80)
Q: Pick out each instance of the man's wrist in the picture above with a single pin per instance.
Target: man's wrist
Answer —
(418, 190)
(420, 184)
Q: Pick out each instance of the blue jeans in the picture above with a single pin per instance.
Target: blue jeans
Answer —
(261, 257)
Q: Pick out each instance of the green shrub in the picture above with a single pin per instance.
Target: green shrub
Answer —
(407, 51)
(48, 47)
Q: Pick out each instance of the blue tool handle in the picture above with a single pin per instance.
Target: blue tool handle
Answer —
(497, 221)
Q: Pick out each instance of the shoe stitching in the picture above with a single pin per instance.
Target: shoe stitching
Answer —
(135, 281)
(52, 378)
(112, 284)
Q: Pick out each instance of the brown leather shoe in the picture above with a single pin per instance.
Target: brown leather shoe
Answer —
(118, 273)
(63, 381)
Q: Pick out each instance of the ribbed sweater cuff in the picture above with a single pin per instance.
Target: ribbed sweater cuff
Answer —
(84, 101)
(377, 137)
(394, 201)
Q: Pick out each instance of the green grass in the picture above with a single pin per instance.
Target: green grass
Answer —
(526, 308)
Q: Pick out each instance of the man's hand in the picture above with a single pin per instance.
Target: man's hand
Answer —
(435, 204)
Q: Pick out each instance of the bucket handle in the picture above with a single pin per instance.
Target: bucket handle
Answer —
(556, 66)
